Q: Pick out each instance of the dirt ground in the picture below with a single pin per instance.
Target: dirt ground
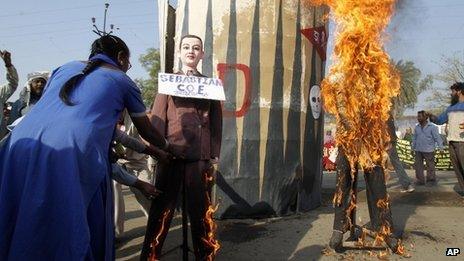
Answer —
(430, 221)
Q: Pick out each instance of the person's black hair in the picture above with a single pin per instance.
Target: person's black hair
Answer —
(109, 45)
(190, 36)
(422, 112)
(458, 86)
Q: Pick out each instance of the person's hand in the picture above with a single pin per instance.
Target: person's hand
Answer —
(147, 189)
(6, 57)
(214, 163)
(174, 150)
(119, 155)
(212, 171)
(160, 155)
(164, 157)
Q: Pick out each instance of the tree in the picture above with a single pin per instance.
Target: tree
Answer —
(451, 71)
(151, 63)
(411, 86)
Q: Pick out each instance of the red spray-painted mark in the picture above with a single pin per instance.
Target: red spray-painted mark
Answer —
(223, 69)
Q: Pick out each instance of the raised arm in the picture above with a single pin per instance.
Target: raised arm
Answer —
(9, 88)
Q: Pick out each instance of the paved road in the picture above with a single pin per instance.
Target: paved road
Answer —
(430, 220)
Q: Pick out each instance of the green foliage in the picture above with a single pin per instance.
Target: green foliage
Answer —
(151, 63)
(411, 86)
(451, 71)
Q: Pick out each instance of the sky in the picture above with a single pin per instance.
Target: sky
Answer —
(424, 31)
(45, 34)
(42, 35)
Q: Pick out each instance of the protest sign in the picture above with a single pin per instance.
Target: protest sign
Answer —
(406, 155)
(190, 86)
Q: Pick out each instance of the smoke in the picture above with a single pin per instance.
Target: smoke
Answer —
(408, 16)
(400, 4)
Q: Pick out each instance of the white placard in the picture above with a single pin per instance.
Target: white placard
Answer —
(191, 86)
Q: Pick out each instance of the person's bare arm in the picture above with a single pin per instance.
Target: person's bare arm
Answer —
(149, 133)
(153, 136)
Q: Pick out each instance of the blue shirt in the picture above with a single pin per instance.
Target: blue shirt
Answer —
(55, 194)
(454, 116)
(426, 138)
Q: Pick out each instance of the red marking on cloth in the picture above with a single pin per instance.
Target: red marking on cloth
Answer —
(223, 69)
(318, 37)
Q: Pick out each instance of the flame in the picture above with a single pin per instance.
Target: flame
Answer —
(362, 81)
(383, 255)
(156, 242)
(384, 203)
(401, 249)
(359, 88)
(337, 199)
(351, 208)
(328, 252)
(210, 227)
(362, 239)
(385, 229)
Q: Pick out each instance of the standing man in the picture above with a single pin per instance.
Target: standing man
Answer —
(195, 124)
(403, 177)
(426, 138)
(7, 89)
(454, 116)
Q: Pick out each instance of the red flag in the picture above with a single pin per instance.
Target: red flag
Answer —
(318, 37)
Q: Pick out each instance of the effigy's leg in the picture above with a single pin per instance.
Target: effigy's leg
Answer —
(378, 203)
(344, 201)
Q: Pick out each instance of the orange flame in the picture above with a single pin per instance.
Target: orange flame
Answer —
(385, 229)
(401, 249)
(384, 232)
(210, 240)
(383, 255)
(359, 88)
(362, 239)
(337, 199)
(210, 226)
(384, 203)
(361, 81)
(156, 242)
(351, 208)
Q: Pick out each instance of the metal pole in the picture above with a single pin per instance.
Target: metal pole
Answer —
(104, 20)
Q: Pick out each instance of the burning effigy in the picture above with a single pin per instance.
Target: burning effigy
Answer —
(358, 91)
